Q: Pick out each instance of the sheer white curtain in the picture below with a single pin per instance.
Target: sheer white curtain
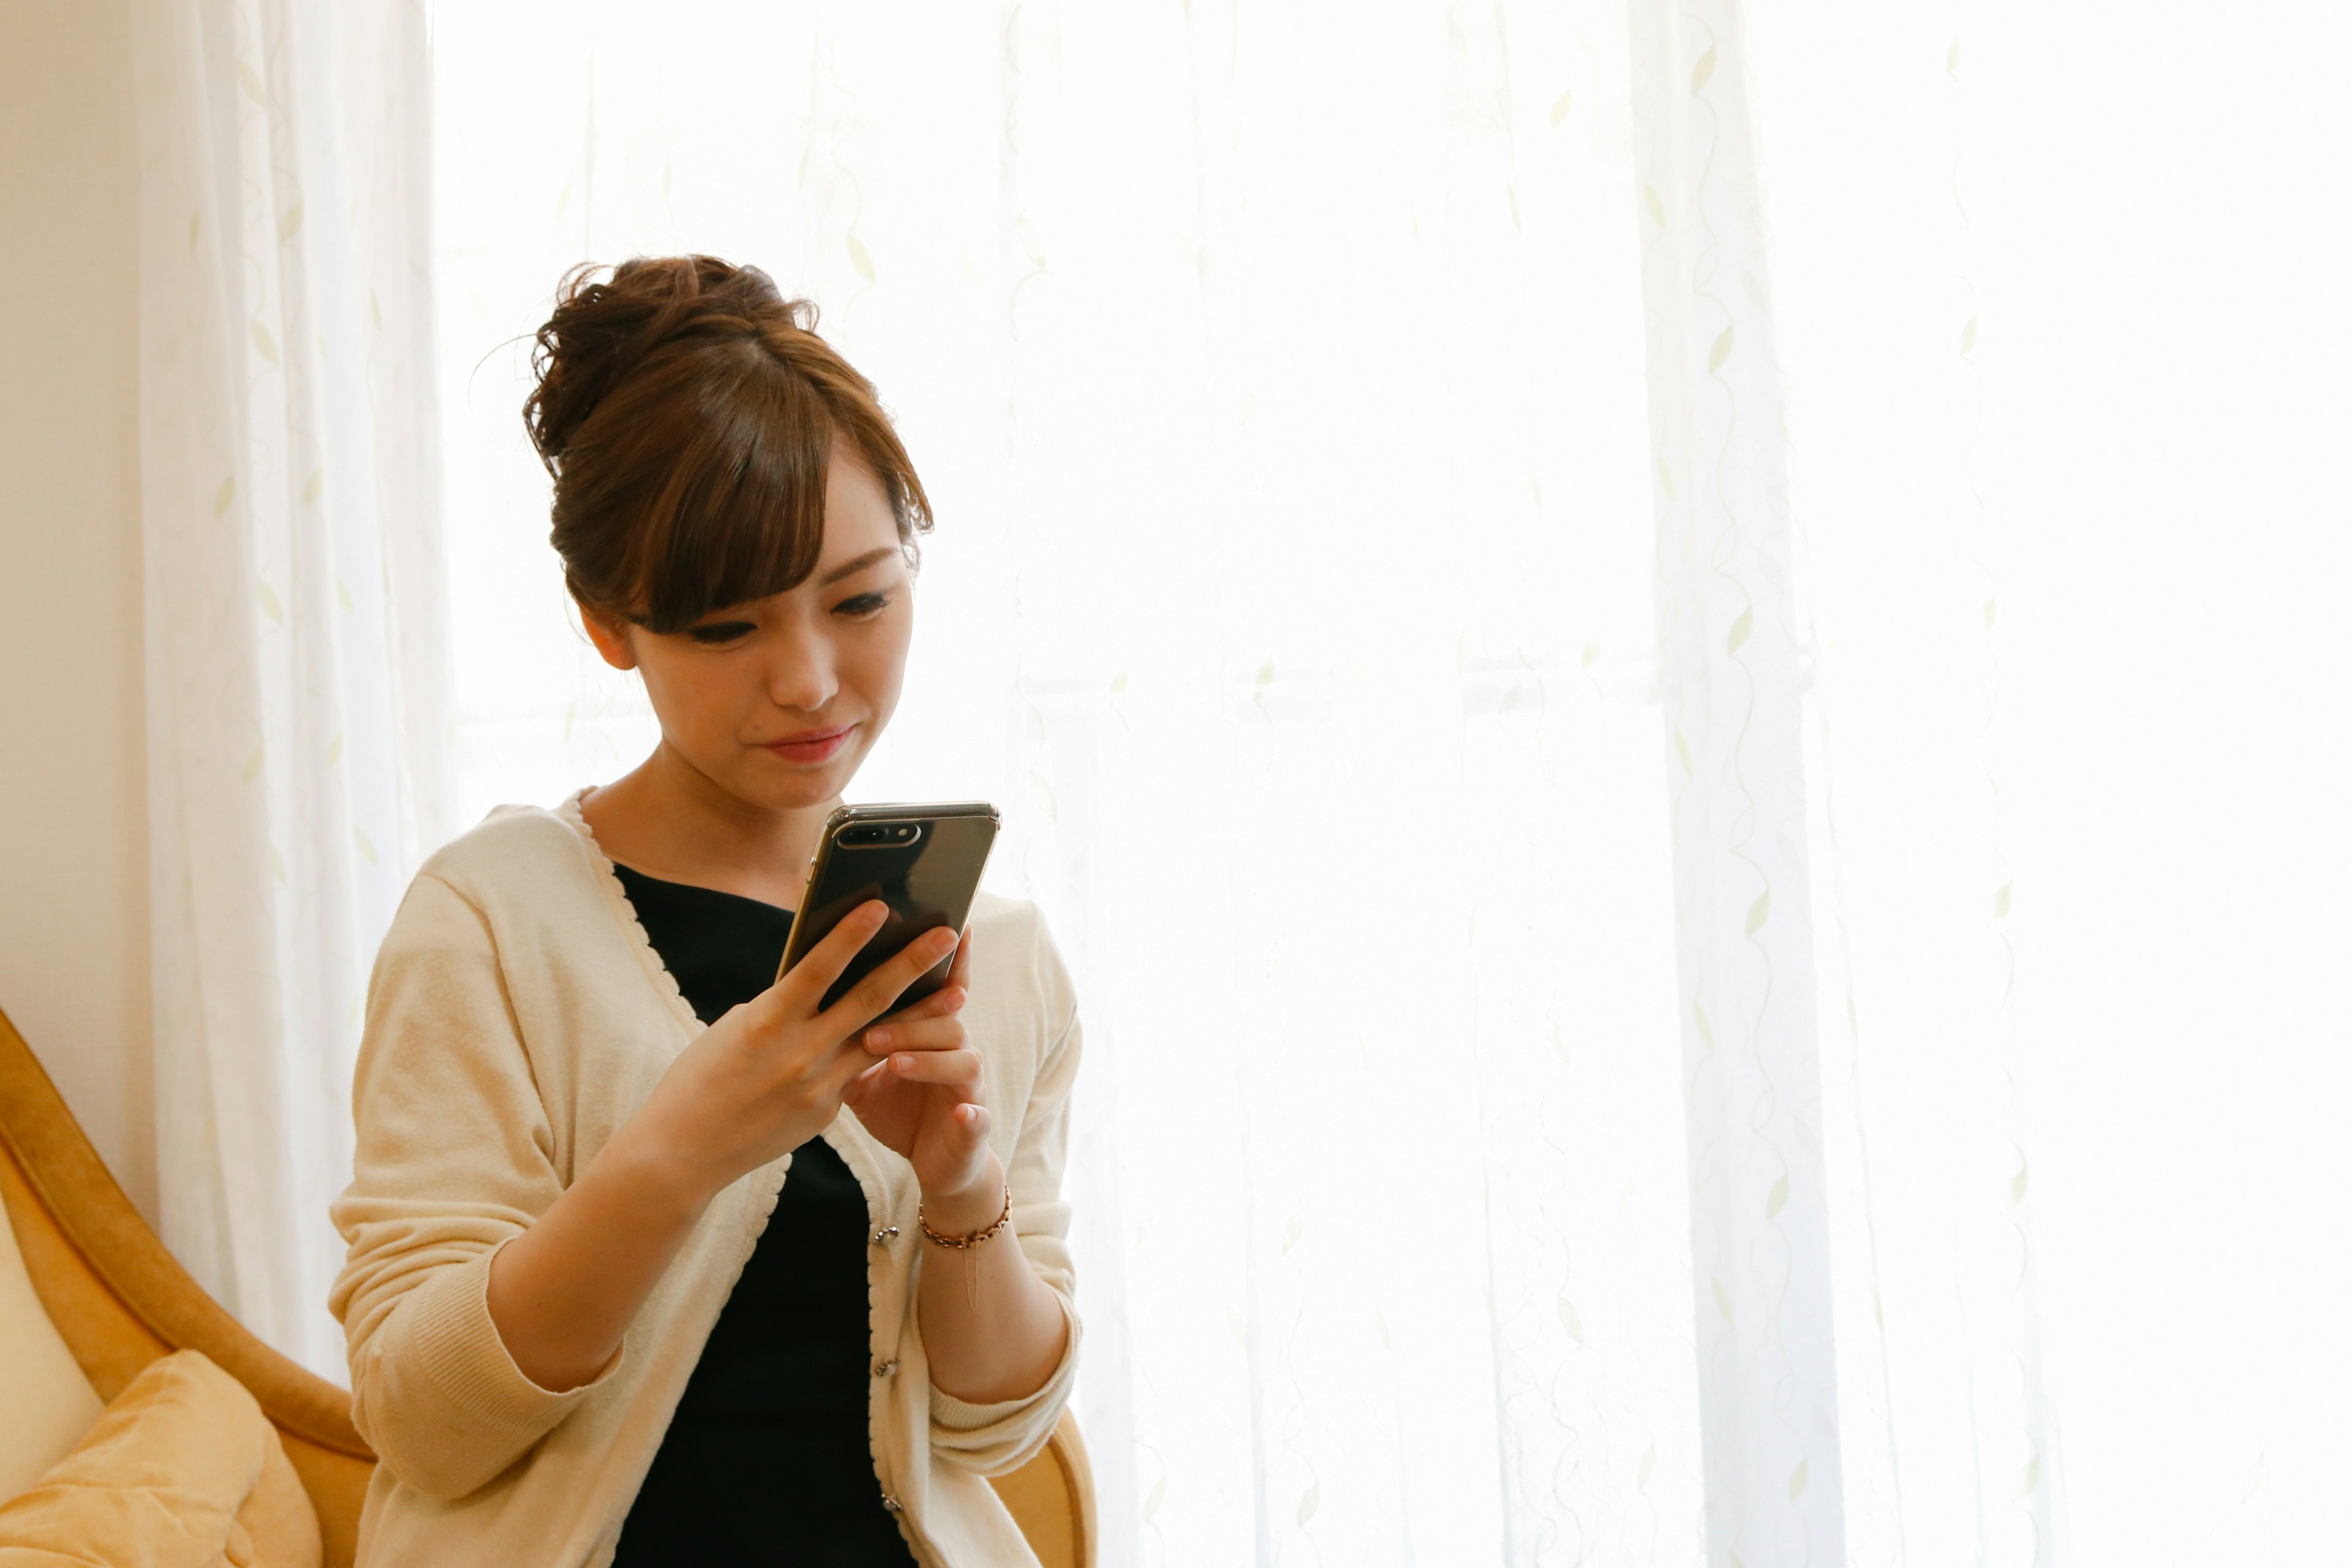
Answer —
(1279, 380)
(1472, 553)
(289, 493)
(2068, 416)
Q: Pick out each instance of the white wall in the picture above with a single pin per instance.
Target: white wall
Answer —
(73, 825)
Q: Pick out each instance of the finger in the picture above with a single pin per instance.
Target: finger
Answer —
(959, 972)
(806, 982)
(959, 1068)
(902, 1034)
(944, 1003)
(872, 996)
(850, 1069)
(864, 1082)
(971, 1121)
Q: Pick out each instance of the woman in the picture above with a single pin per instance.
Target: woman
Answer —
(641, 1263)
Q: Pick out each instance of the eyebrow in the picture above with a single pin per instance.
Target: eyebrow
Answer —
(851, 568)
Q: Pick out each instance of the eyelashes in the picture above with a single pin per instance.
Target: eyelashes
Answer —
(858, 608)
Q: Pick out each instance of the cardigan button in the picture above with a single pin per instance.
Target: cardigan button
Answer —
(884, 1368)
(884, 1237)
(890, 1502)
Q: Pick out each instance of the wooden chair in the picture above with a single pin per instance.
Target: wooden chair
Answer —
(120, 1300)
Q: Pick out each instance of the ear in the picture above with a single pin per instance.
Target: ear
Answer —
(611, 635)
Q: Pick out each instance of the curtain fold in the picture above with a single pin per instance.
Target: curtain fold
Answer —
(290, 500)
(1732, 649)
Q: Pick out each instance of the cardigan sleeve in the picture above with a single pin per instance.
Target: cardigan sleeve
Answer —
(995, 1439)
(454, 1158)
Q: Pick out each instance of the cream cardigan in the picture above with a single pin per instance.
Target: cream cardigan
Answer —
(517, 1016)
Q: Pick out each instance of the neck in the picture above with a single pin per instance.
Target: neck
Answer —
(667, 819)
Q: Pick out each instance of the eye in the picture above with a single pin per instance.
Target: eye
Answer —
(720, 632)
(862, 605)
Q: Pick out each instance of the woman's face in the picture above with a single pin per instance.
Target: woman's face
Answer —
(777, 701)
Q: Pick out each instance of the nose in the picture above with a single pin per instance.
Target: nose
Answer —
(801, 674)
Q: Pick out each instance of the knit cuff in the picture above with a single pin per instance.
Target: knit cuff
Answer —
(457, 1345)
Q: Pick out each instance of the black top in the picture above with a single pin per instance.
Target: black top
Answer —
(767, 1460)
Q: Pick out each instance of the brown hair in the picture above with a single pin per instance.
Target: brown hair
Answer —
(688, 412)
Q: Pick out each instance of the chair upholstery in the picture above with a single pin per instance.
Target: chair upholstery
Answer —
(121, 1301)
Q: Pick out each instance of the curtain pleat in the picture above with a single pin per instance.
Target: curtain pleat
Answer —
(1732, 643)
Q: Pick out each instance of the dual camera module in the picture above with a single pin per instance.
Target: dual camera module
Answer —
(879, 834)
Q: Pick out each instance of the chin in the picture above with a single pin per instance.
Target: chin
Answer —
(792, 794)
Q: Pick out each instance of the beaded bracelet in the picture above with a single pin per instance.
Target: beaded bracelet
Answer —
(964, 1244)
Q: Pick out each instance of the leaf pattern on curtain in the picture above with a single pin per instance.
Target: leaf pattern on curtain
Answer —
(289, 488)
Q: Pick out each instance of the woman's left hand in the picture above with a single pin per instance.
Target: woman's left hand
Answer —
(927, 1100)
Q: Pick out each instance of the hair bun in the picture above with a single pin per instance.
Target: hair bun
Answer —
(604, 327)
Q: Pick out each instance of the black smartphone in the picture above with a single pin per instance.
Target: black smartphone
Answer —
(924, 861)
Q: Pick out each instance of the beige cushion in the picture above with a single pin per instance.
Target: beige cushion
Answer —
(49, 1403)
(183, 1471)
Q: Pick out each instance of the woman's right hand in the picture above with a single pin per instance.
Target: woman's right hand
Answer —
(769, 1076)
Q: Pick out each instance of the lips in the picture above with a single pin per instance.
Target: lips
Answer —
(811, 746)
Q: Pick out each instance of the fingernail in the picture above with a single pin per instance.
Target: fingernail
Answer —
(903, 1062)
(877, 1039)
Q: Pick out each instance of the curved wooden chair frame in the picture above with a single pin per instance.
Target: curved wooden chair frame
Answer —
(121, 1301)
